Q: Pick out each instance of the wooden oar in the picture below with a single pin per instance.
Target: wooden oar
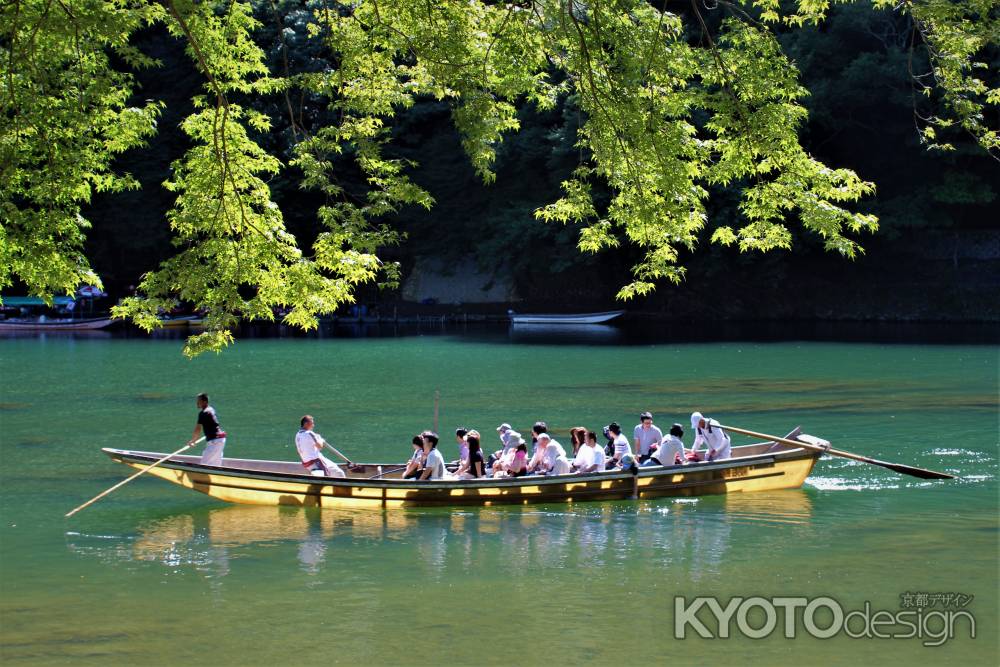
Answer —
(126, 481)
(388, 472)
(437, 397)
(337, 452)
(923, 473)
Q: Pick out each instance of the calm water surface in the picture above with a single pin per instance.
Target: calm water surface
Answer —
(155, 574)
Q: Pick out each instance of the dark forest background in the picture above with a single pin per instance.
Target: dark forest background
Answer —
(936, 256)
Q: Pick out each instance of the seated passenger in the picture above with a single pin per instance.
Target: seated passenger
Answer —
(519, 465)
(537, 464)
(546, 455)
(499, 462)
(473, 466)
(609, 446)
(416, 462)
(709, 433)
(555, 458)
(433, 461)
(646, 436)
(621, 446)
(509, 440)
(309, 445)
(671, 450)
(577, 438)
(584, 457)
(463, 446)
(596, 457)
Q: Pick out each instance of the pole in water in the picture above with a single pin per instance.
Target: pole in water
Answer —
(437, 397)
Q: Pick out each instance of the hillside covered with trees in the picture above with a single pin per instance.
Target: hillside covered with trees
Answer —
(300, 154)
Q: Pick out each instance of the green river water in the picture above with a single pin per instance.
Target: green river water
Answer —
(159, 575)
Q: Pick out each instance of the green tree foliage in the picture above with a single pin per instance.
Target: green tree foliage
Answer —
(672, 103)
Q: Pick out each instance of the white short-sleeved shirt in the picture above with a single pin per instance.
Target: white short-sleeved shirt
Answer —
(553, 451)
(621, 446)
(308, 445)
(436, 463)
(646, 438)
(599, 457)
(560, 466)
(584, 457)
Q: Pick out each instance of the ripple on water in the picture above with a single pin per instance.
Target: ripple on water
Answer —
(850, 484)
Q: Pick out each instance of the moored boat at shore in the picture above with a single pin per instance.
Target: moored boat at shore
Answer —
(757, 467)
(569, 318)
(48, 324)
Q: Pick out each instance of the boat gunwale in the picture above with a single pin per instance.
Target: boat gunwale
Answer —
(764, 458)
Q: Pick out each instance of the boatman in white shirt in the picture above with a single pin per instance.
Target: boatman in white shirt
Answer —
(645, 435)
(709, 433)
(215, 437)
(310, 445)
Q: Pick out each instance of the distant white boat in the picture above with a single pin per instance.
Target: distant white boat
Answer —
(37, 324)
(578, 318)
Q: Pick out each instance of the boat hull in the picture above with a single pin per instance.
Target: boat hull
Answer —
(56, 325)
(582, 318)
(235, 483)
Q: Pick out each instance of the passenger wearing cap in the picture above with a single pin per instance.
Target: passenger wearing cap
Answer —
(671, 451)
(620, 442)
(504, 431)
(646, 437)
(709, 432)
(500, 460)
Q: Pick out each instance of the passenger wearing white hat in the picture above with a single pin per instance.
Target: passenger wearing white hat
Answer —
(501, 459)
(709, 432)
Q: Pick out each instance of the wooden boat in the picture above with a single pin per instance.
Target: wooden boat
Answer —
(47, 324)
(756, 467)
(579, 318)
(176, 321)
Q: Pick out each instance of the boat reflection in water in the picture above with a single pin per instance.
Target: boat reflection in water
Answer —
(692, 534)
(557, 334)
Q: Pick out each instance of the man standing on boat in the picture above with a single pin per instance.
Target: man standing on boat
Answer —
(645, 435)
(215, 437)
(310, 445)
(709, 433)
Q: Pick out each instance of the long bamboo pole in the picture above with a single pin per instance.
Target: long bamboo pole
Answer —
(126, 481)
